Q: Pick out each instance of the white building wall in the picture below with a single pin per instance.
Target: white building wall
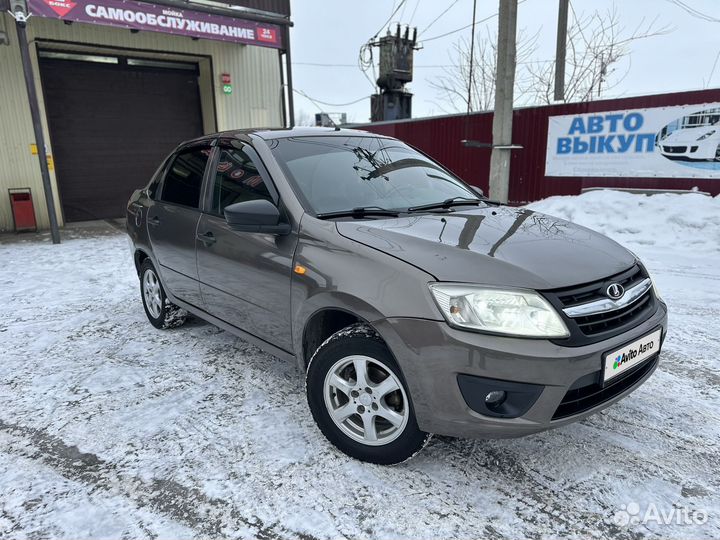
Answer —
(254, 102)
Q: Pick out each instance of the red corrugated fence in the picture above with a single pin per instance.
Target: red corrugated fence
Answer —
(440, 137)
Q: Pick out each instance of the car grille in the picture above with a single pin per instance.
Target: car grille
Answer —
(594, 291)
(675, 149)
(595, 327)
(584, 398)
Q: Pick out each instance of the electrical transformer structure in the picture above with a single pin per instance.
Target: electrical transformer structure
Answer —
(394, 101)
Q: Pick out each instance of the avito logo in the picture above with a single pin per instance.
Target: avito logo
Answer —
(624, 357)
(632, 353)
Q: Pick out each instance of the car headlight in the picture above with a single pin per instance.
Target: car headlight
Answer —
(656, 291)
(513, 312)
(708, 134)
(652, 280)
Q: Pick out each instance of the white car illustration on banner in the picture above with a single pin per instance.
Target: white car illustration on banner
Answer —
(695, 137)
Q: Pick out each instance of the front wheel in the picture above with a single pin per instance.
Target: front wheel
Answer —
(359, 399)
(160, 311)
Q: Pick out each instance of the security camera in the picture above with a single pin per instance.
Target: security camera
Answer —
(19, 10)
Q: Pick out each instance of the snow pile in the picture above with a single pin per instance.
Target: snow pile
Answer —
(687, 222)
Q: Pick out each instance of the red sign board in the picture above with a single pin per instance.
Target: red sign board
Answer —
(60, 7)
(268, 35)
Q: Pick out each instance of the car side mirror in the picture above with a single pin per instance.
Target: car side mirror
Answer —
(259, 216)
(478, 190)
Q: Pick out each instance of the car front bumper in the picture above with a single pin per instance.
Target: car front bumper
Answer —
(433, 355)
(695, 150)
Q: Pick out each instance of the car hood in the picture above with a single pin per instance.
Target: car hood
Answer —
(689, 135)
(499, 246)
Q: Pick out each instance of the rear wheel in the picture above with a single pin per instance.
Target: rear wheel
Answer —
(359, 399)
(160, 311)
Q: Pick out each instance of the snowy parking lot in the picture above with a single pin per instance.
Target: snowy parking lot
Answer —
(110, 428)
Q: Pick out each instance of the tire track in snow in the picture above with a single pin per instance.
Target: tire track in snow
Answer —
(209, 516)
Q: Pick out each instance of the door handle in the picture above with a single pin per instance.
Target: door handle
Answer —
(154, 220)
(206, 238)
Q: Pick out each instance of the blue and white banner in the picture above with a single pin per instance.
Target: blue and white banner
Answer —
(670, 142)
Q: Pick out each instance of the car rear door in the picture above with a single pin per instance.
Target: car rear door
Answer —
(172, 222)
(244, 277)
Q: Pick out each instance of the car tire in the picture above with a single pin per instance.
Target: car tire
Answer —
(161, 313)
(368, 417)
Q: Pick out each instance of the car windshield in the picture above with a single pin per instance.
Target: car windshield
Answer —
(336, 173)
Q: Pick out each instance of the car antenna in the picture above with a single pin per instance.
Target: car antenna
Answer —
(334, 125)
(337, 128)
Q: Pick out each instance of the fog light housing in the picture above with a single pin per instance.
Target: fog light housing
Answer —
(495, 398)
(498, 398)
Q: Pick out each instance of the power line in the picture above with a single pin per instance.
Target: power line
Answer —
(466, 26)
(438, 17)
(460, 29)
(402, 13)
(320, 64)
(413, 13)
(402, 2)
(316, 101)
(365, 62)
(694, 12)
(712, 71)
(419, 66)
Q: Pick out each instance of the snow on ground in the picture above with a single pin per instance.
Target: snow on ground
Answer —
(112, 429)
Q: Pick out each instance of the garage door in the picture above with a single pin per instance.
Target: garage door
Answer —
(112, 120)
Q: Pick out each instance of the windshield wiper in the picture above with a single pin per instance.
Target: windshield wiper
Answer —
(359, 212)
(447, 203)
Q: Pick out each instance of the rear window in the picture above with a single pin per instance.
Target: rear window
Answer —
(183, 180)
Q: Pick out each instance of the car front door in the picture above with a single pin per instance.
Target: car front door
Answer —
(244, 277)
(172, 222)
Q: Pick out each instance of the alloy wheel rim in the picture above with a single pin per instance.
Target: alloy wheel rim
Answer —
(366, 400)
(151, 293)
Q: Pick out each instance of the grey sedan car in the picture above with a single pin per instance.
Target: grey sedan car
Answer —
(412, 304)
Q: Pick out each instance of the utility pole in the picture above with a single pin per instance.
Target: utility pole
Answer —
(560, 50)
(288, 67)
(472, 59)
(20, 13)
(503, 115)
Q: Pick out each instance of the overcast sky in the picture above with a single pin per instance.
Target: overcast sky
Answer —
(332, 32)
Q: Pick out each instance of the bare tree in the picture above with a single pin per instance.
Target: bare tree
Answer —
(597, 44)
(452, 85)
(304, 118)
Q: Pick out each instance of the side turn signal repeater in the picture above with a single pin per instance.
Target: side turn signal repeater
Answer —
(300, 269)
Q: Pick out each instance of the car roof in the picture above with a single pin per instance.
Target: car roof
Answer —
(282, 133)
